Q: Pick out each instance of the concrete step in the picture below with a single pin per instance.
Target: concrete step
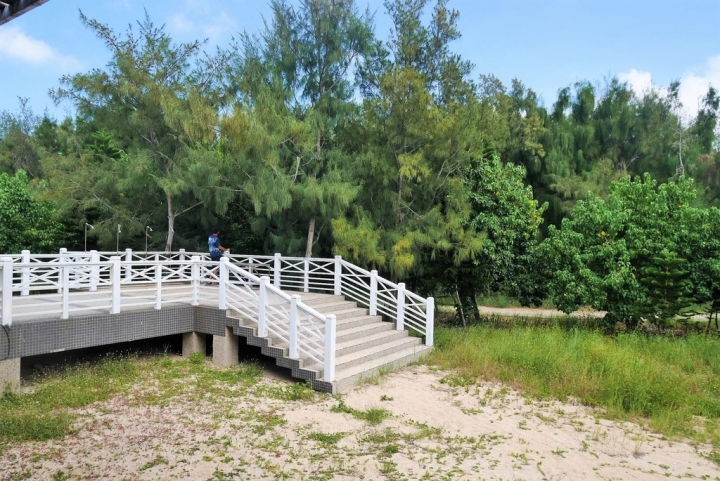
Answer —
(367, 341)
(346, 361)
(365, 345)
(363, 330)
(351, 377)
(351, 312)
(331, 305)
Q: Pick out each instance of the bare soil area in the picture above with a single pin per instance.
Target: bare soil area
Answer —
(411, 424)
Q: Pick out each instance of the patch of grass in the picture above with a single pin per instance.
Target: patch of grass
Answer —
(293, 392)
(672, 383)
(156, 461)
(371, 415)
(44, 415)
(47, 412)
(326, 438)
(196, 357)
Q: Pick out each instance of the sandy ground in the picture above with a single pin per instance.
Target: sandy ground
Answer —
(436, 431)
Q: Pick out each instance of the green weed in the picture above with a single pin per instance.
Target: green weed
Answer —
(326, 438)
(670, 382)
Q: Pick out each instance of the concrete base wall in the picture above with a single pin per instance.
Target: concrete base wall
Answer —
(9, 375)
(226, 348)
(193, 342)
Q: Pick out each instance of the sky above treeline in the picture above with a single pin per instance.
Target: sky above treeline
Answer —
(548, 44)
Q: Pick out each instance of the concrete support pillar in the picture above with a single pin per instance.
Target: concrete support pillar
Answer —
(9, 375)
(193, 342)
(226, 349)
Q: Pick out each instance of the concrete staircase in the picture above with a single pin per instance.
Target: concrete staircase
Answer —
(366, 345)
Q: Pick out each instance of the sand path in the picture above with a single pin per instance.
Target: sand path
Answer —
(436, 431)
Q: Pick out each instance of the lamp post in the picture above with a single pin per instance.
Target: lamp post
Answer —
(147, 228)
(117, 241)
(86, 226)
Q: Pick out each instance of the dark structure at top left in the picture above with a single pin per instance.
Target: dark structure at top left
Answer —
(10, 9)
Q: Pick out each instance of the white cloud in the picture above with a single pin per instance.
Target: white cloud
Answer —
(694, 85)
(192, 22)
(15, 45)
(639, 82)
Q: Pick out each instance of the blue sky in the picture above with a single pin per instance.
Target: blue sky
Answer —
(547, 44)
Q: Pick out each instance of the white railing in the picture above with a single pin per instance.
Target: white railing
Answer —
(252, 286)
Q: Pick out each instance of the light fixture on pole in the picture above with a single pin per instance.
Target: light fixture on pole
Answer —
(147, 228)
(86, 226)
(117, 242)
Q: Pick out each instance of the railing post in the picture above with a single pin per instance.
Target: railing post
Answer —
(222, 284)
(294, 327)
(62, 255)
(330, 329)
(25, 276)
(401, 307)
(306, 275)
(373, 293)
(158, 283)
(262, 304)
(195, 282)
(182, 255)
(338, 276)
(429, 321)
(250, 265)
(115, 283)
(128, 267)
(94, 270)
(276, 271)
(65, 276)
(6, 285)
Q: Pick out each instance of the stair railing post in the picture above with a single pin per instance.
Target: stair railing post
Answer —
(223, 283)
(115, 284)
(401, 307)
(158, 283)
(62, 256)
(306, 275)
(330, 346)
(94, 270)
(128, 267)
(65, 276)
(276, 271)
(195, 281)
(294, 327)
(25, 276)
(373, 293)
(6, 285)
(338, 276)
(429, 321)
(262, 306)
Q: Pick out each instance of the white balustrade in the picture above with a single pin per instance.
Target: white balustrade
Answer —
(251, 293)
(6, 284)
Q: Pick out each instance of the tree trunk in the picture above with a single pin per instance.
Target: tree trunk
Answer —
(310, 238)
(171, 225)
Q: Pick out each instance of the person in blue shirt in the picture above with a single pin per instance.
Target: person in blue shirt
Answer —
(216, 249)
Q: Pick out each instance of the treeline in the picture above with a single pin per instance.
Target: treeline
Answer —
(316, 137)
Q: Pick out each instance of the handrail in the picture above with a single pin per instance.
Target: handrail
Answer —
(253, 286)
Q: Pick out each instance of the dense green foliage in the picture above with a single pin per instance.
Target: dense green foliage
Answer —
(316, 137)
(673, 383)
(633, 254)
(26, 223)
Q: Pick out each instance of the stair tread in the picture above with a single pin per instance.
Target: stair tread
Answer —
(351, 371)
(403, 343)
(393, 334)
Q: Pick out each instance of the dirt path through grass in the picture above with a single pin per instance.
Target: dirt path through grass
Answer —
(412, 424)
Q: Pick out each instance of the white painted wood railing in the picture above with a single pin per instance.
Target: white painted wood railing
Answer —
(252, 286)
